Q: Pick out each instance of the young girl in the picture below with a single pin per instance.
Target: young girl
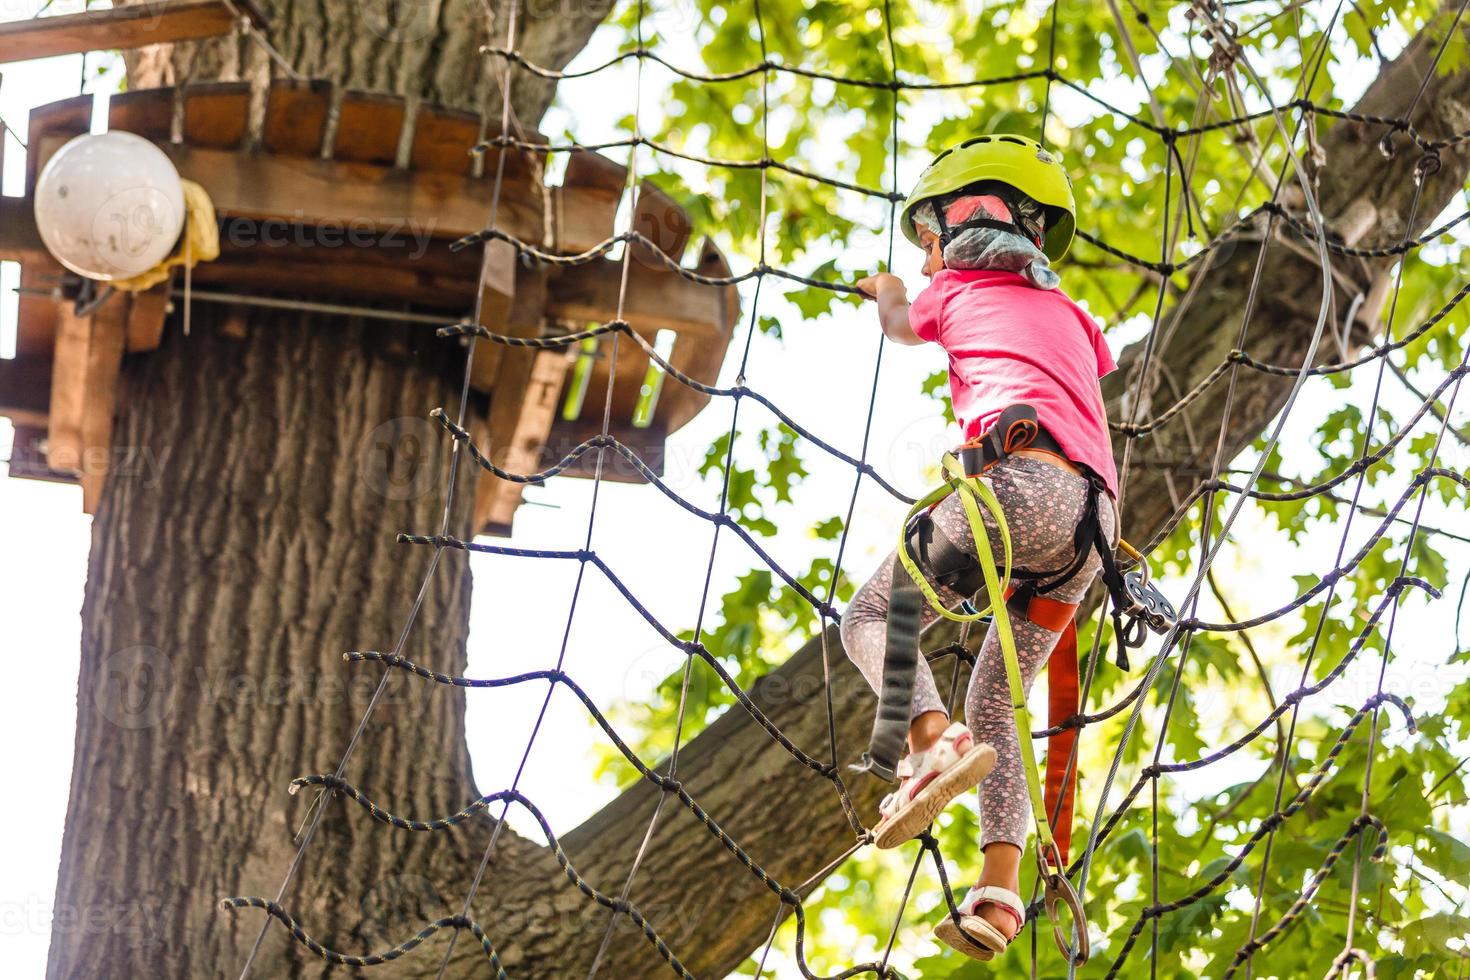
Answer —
(988, 215)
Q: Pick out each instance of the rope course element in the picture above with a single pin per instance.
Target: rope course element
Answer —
(1226, 68)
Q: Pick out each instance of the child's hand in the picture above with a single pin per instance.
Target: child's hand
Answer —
(874, 286)
(893, 306)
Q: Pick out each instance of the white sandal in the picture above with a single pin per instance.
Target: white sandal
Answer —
(946, 769)
(975, 937)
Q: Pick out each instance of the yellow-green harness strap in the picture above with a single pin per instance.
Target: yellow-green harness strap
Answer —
(973, 492)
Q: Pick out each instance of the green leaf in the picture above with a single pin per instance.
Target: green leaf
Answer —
(1432, 934)
(1448, 855)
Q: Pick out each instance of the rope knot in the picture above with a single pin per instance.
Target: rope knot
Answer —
(1429, 164)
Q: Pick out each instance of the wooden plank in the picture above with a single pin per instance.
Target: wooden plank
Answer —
(25, 390)
(84, 370)
(590, 170)
(659, 218)
(36, 312)
(104, 359)
(655, 299)
(586, 204)
(443, 138)
(120, 28)
(523, 409)
(147, 112)
(524, 393)
(147, 313)
(399, 270)
(50, 128)
(647, 443)
(64, 119)
(216, 114)
(28, 457)
(428, 274)
(702, 361)
(355, 196)
(496, 300)
(19, 239)
(520, 163)
(369, 126)
(296, 117)
(68, 390)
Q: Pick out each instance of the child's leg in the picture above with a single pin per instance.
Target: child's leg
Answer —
(1042, 513)
(864, 637)
(1005, 806)
(1005, 803)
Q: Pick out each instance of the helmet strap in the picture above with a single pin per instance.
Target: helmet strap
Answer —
(948, 234)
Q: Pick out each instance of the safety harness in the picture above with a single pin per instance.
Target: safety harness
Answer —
(926, 553)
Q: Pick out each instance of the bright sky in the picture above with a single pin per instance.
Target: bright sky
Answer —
(821, 374)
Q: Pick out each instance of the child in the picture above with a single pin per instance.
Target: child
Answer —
(988, 215)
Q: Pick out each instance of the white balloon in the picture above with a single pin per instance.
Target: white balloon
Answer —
(110, 205)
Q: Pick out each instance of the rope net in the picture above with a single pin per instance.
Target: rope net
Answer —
(1138, 912)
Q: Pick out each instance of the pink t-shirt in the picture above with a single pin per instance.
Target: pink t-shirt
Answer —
(1009, 342)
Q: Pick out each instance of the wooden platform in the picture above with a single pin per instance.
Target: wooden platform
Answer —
(336, 168)
(118, 28)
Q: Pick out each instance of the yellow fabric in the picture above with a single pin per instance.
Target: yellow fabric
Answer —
(198, 243)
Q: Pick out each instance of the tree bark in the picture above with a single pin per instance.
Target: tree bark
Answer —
(428, 49)
(786, 815)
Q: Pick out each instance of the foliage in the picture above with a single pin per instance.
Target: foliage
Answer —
(1411, 907)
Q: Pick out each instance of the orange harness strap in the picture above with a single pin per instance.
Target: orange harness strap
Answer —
(1061, 778)
(1062, 704)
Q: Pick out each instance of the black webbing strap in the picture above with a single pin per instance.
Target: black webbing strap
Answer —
(1117, 594)
(1014, 201)
(900, 664)
(1089, 537)
(946, 564)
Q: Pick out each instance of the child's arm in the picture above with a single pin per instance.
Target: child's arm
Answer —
(893, 306)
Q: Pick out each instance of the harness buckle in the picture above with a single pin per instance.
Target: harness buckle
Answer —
(1147, 606)
(1058, 891)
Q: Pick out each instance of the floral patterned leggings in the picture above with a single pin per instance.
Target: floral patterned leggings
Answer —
(1043, 505)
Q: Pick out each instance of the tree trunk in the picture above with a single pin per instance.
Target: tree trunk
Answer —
(248, 543)
(786, 815)
(427, 49)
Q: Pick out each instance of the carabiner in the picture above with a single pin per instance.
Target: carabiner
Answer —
(1147, 603)
(1059, 891)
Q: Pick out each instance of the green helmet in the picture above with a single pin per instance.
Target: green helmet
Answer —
(1017, 161)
